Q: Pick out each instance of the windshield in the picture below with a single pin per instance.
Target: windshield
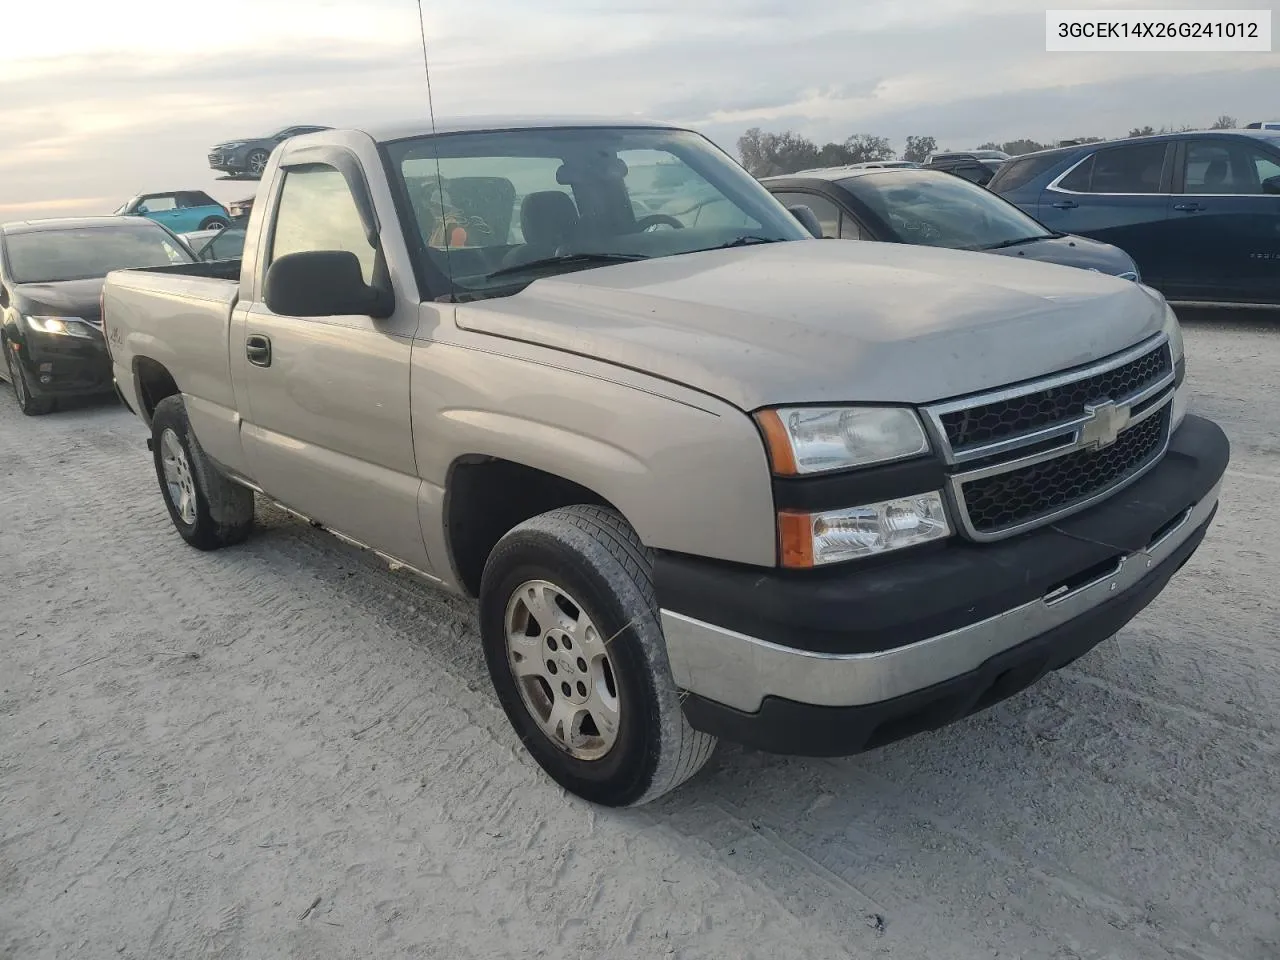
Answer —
(940, 210)
(83, 253)
(497, 210)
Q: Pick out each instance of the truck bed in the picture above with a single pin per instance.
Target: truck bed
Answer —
(215, 270)
(178, 317)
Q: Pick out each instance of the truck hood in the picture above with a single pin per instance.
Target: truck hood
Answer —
(829, 321)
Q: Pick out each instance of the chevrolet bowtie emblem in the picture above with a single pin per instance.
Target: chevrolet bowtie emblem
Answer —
(1106, 421)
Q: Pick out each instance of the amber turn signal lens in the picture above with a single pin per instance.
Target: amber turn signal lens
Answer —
(795, 540)
(781, 457)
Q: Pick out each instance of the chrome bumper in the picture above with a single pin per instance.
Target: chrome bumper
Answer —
(739, 671)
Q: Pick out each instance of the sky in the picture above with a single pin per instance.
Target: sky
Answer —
(101, 102)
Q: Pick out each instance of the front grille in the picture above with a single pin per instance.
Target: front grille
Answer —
(1028, 494)
(1002, 419)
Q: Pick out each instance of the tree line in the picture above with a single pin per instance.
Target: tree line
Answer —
(770, 154)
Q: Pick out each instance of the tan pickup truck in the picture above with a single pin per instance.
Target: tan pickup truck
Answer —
(708, 476)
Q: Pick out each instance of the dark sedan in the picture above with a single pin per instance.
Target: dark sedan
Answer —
(939, 210)
(51, 274)
(247, 158)
(1199, 212)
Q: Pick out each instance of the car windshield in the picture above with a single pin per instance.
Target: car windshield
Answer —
(491, 212)
(941, 210)
(83, 253)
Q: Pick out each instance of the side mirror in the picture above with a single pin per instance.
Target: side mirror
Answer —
(140, 212)
(808, 219)
(1271, 185)
(322, 283)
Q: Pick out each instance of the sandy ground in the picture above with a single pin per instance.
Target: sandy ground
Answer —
(196, 749)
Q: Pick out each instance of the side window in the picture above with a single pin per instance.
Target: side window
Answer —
(973, 172)
(1019, 172)
(192, 198)
(828, 213)
(1132, 169)
(850, 229)
(1078, 179)
(159, 204)
(1226, 167)
(317, 212)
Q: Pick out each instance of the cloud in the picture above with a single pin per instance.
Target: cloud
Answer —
(92, 111)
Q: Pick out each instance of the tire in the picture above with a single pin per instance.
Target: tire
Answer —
(29, 405)
(586, 565)
(214, 223)
(256, 162)
(208, 510)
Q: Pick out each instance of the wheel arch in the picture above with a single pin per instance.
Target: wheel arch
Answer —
(485, 497)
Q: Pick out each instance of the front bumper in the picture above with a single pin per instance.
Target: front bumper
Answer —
(61, 366)
(232, 161)
(840, 661)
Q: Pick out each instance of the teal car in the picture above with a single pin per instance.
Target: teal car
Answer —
(182, 211)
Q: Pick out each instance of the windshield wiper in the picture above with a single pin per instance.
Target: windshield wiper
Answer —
(747, 241)
(1020, 241)
(568, 260)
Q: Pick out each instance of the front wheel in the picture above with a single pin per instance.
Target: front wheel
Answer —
(569, 623)
(208, 510)
(29, 405)
(256, 163)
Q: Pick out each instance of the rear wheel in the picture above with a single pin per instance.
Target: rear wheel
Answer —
(28, 404)
(208, 510)
(214, 223)
(571, 635)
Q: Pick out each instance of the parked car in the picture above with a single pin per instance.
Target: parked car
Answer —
(240, 209)
(932, 208)
(181, 211)
(248, 157)
(976, 166)
(706, 481)
(197, 239)
(1264, 125)
(51, 275)
(226, 245)
(1199, 212)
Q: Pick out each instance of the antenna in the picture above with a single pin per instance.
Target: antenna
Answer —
(431, 109)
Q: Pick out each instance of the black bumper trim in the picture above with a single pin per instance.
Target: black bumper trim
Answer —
(906, 597)
(786, 727)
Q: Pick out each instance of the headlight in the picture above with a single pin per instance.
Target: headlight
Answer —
(1177, 350)
(805, 440)
(59, 326)
(814, 539)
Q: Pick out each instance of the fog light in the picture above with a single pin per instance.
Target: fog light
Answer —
(45, 378)
(815, 539)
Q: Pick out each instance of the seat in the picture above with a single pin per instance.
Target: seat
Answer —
(549, 220)
(1215, 176)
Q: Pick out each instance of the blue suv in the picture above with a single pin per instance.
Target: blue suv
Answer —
(1198, 212)
(182, 211)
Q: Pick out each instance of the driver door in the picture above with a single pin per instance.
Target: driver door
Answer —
(327, 429)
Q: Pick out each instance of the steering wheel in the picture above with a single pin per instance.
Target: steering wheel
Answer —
(656, 219)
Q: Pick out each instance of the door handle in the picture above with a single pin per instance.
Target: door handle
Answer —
(1189, 207)
(1066, 204)
(258, 349)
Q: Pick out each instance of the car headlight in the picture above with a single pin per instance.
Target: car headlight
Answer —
(804, 440)
(59, 326)
(1177, 350)
(814, 539)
